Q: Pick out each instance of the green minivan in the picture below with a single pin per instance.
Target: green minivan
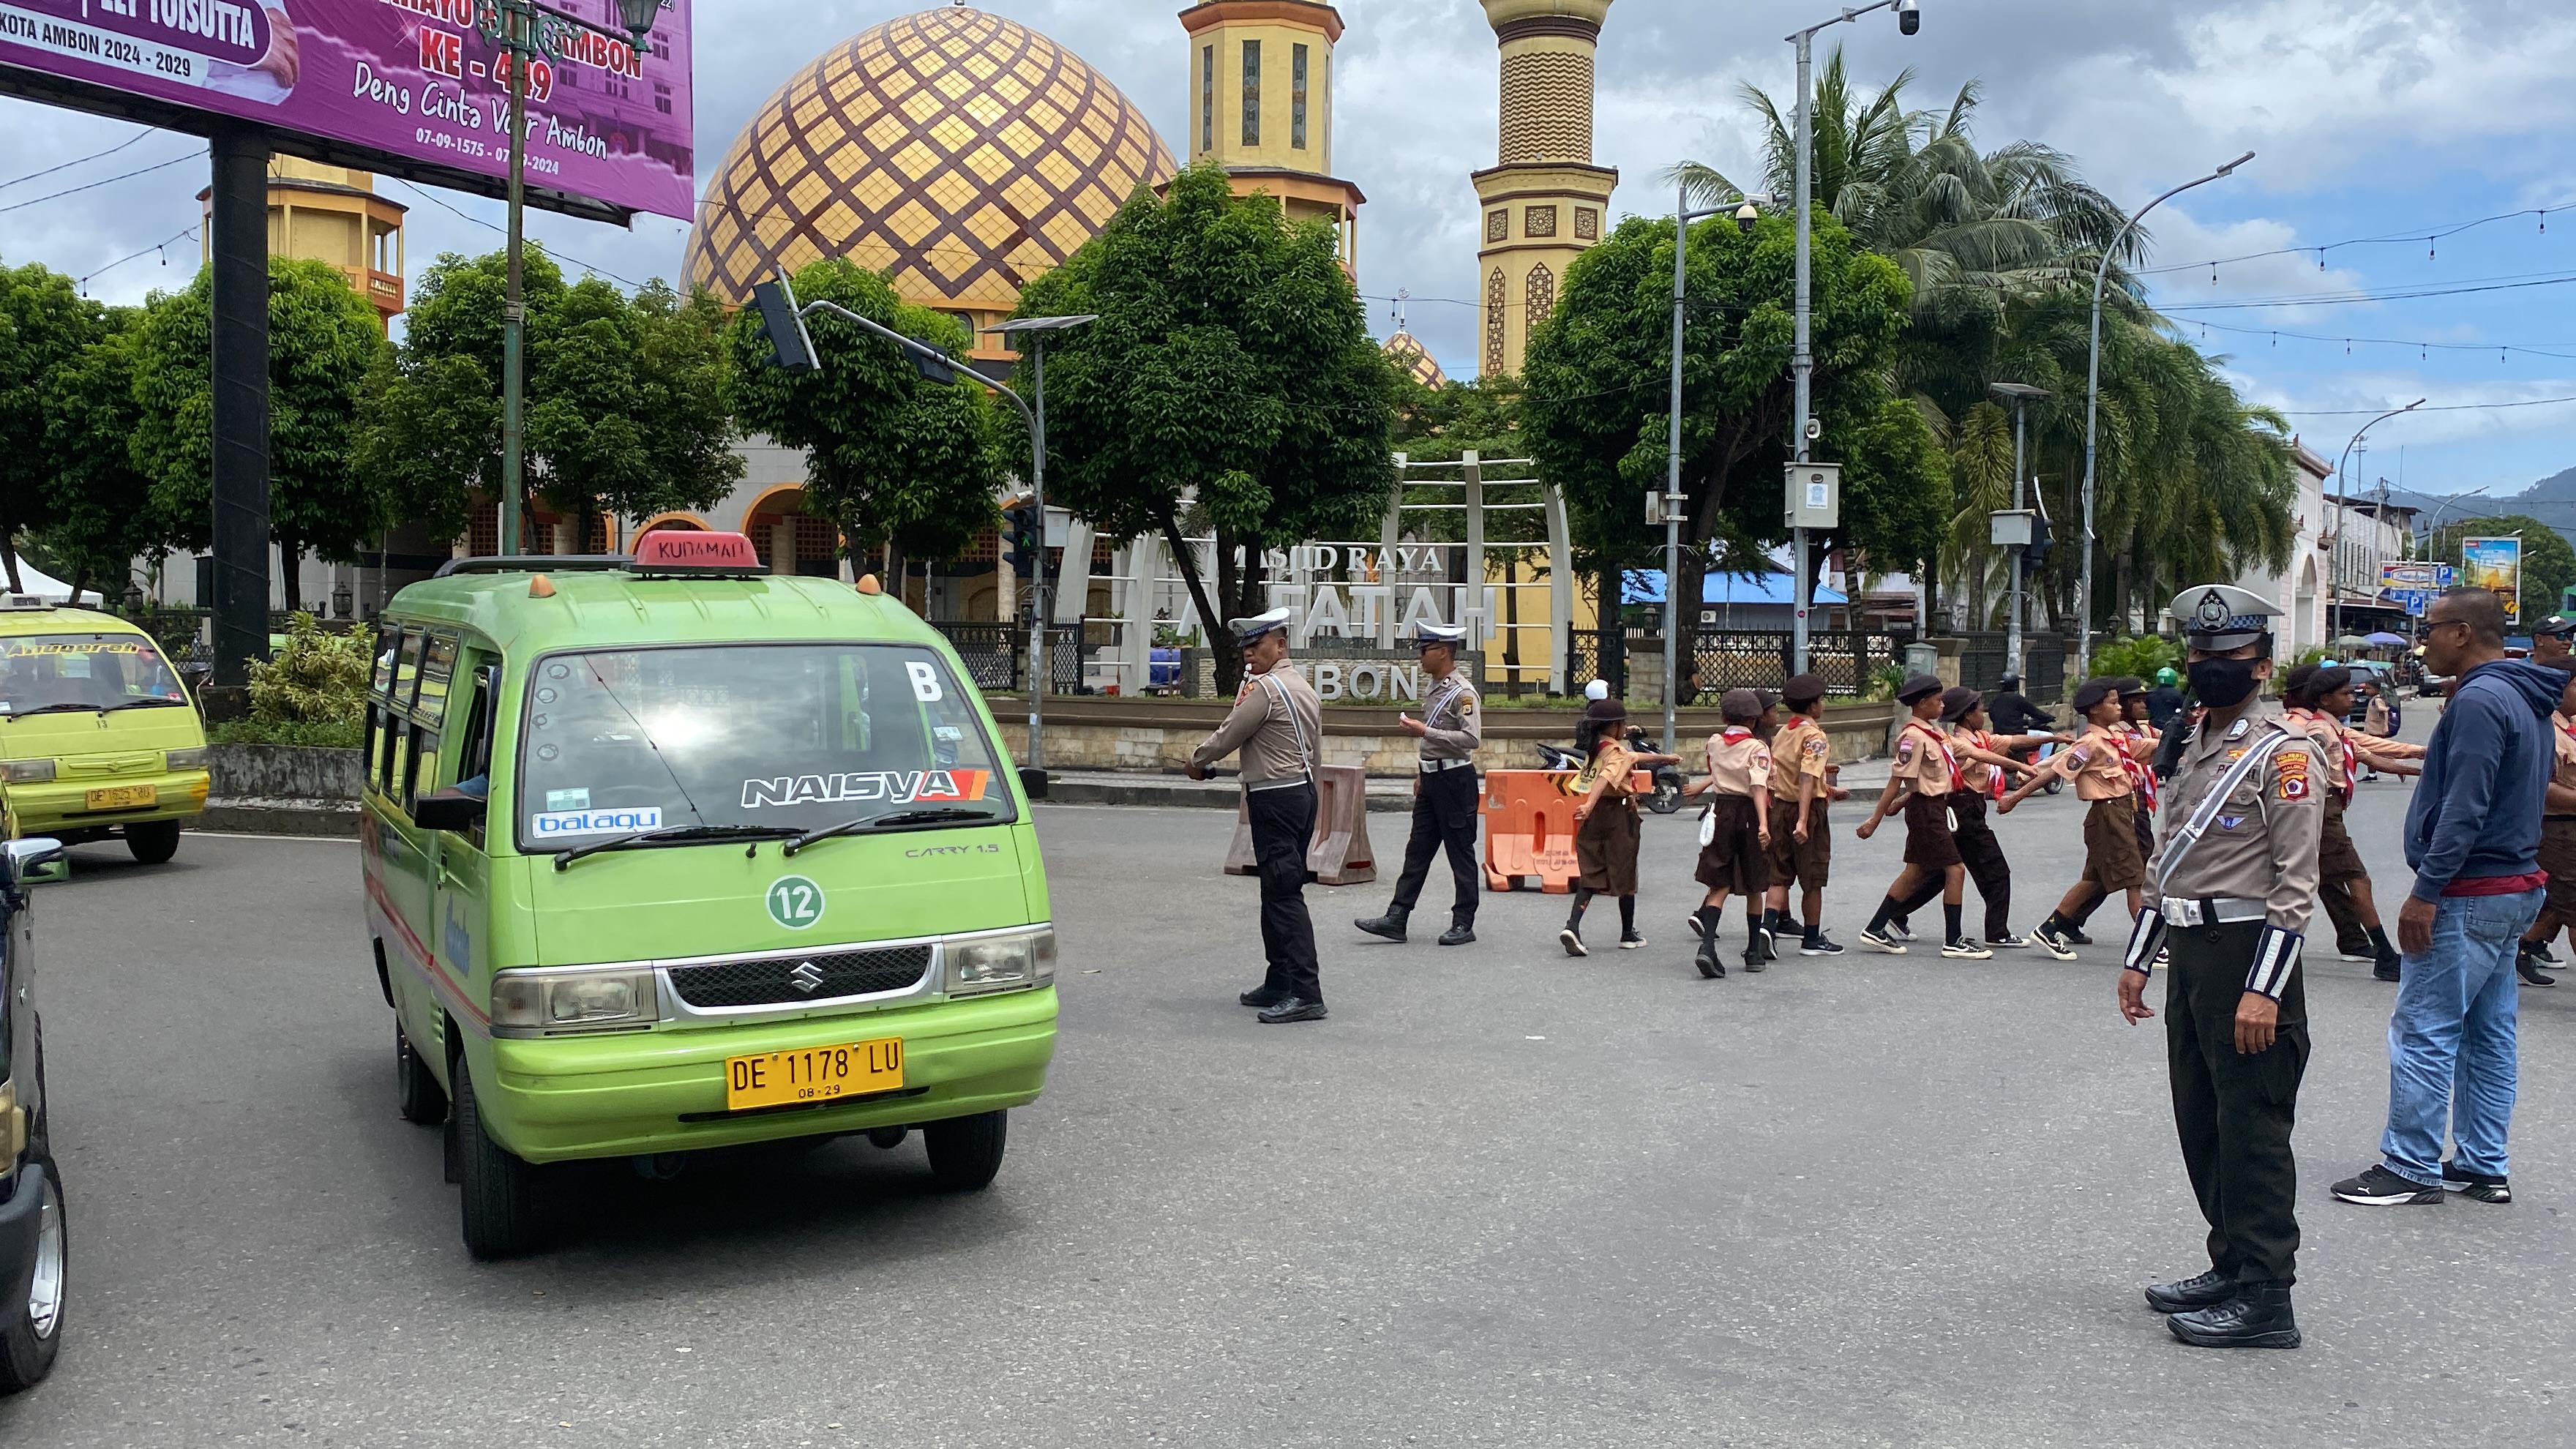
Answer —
(668, 853)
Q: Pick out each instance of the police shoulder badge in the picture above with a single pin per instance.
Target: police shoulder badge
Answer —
(2290, 771)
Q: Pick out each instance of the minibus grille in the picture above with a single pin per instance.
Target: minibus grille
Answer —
(781, 980)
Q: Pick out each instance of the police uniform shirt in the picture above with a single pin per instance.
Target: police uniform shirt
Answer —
(2260, 844)
(1278, 724)
(1453, 728)
(1799, 751)
(1923, 760)
(1738, 762)
(2095, 763)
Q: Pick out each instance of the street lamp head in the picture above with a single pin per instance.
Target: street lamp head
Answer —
(1746, 217)
(639, 16)
(1909, 16)
(2230, 168)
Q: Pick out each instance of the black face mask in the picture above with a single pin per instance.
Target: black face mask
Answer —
(2222, 683)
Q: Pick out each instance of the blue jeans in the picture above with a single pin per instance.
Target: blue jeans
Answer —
(2451, 1041)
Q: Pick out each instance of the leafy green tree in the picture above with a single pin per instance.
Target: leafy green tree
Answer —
(2548, 564)
(1230, 383)
(1598, 372)
(102, 513)
(324, 343)
(626, 397)
(896, 462)
(44, 327)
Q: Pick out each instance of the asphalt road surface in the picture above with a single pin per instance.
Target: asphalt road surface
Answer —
(1501, 1198)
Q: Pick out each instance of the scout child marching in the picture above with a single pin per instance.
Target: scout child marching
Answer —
(1925, 774)
(1802, 842)
(1605, 814)
(2098, 762)
(1735, 836)
(1984, 762)
(2317, 700)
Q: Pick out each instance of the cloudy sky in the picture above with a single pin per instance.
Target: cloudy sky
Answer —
(2373, 119)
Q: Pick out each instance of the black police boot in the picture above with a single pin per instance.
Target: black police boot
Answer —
(2207, 1290)
(1462, 929)
(1264, 997)
(1390, 925)
(1294, 1008)
(2257, 1317)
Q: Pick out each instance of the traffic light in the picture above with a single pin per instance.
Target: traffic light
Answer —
(1020, 538)
(791, 348)
(2035, 557)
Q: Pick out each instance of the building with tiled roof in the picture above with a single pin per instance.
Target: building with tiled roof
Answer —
(959, 152)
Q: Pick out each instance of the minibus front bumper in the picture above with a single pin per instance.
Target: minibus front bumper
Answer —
(555, 1099)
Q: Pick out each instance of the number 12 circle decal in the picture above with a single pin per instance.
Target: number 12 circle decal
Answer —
(795, 902)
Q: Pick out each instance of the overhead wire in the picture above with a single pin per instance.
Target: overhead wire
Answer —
(2426, 235)
(103, 181)
(81, 161)
(162, 246)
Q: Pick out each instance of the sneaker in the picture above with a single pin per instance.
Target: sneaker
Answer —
(2074, 936)
(2007, 942)
(2485, 1187)
(2364, 953)
(1898, 930)
(1818, 944)
(1886, 942)
(1630, 940)
(1764, 942)
(1572, 940)
(2379, 1187)
(2054, 944)
(1754, 961)
(2527, 966)
(2540, 953)
(1966, 948)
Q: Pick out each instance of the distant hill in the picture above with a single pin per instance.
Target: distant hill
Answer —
(2556, 488)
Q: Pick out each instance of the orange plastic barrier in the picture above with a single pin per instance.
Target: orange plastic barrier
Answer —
(1529, 828)
(1339, 854)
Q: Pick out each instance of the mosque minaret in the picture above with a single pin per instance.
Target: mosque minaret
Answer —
(1544, 201)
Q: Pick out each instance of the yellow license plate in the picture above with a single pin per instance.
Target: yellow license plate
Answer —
(124, 797)
(816, 1074)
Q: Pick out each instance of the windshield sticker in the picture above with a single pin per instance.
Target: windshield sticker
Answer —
(568, 799)
(78, 647)
(556, 824)
(893, 787)
(925, 681)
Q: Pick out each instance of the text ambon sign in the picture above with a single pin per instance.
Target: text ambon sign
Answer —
(412, 79)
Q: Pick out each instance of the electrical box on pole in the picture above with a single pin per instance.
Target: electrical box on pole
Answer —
(1663, 508)
(2011, 527)
(1815, 495)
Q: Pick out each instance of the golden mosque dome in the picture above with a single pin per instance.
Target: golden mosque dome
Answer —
(1413, 359)
(957, 152)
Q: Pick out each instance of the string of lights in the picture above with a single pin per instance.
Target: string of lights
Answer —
(162, 246)
(2429, 236)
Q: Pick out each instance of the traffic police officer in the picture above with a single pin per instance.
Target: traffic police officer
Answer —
(1445, 792)
(1278, 724)
(2227, 899)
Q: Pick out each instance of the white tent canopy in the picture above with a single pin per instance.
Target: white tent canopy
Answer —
(44, 586)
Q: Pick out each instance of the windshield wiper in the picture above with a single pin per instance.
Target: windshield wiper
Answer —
(63, 708)
(143, 704)
(674, 835)
(900, 817)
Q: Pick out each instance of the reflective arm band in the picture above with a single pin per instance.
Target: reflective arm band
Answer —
(2276, 959)
(2144, 940)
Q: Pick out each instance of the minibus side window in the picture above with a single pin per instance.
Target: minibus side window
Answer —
(388, 640)
(423, 761)
(474, 748)
(407, 669)
(437, 666)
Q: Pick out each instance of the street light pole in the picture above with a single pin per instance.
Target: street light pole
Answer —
(2022, 394)
(2343, 492)
(1037, 330)
(2093, 400)
(527, 31)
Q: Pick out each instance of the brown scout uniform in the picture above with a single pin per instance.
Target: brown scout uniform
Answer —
(1931, 772)
(1733, 860)
(2337, 859)
(1800, 752)
(1605, 844)
(2095, 762)
(2558, 831)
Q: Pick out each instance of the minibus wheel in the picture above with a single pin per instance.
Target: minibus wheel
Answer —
(494, 1186)
(418, 1094)
(965, 1152)
(153, 841)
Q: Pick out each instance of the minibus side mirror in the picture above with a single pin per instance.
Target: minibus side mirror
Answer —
(449, 809)
(38, 858)
(1033, 782)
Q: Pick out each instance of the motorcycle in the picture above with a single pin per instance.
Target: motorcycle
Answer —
(2055, 782)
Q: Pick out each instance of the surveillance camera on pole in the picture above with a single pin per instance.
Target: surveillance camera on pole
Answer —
(1909, 16)
(1746, 217)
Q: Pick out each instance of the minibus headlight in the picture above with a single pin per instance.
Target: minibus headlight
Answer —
(574, 1001)
(26, 772)
(1001, 963)
(191, 758)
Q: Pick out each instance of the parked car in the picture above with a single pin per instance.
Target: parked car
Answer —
(32, 1235)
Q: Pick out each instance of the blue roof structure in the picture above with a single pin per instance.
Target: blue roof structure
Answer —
(1646, 586)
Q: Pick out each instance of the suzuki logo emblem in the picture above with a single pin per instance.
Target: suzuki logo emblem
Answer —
(807, 976)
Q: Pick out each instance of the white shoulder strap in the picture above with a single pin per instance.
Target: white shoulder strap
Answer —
(1296, 726)
(2198, 825)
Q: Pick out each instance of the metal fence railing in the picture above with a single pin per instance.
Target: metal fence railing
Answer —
(996, 656)
(1983, 662)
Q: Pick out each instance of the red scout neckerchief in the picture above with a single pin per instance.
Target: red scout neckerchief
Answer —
(1994, 773)
(1941, 742)
(2343, 742)
(2142, 778)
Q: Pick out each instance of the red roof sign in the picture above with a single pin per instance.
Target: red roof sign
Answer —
(676, 550)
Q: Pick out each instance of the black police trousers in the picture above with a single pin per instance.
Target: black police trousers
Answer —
(2234, 1112)
(1283, 823)
(1444, 816)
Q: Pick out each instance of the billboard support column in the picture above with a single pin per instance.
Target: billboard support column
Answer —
(239, 245)
(514, 305)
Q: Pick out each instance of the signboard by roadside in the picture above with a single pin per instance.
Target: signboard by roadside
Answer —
(2411, 586)
(391, 85)
(2495, 564)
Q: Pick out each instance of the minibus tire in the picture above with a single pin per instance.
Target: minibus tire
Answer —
(27, 1355)
(495, 1188)
(965, 1152)
(153, 841)
(419, 1096)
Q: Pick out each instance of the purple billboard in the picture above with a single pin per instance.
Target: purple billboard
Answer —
(412, 79)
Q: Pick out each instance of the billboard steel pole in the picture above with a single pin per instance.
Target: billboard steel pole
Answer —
(238, 244)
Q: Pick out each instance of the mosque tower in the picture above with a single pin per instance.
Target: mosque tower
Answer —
(1544, 201)
(1261, 105)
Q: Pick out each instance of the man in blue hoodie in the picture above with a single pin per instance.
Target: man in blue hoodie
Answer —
(2473, 840)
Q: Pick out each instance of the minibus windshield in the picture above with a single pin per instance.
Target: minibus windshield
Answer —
(47, 673)
(695, 743)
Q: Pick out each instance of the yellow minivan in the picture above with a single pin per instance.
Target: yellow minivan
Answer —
(98, 738)
(669, 853)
